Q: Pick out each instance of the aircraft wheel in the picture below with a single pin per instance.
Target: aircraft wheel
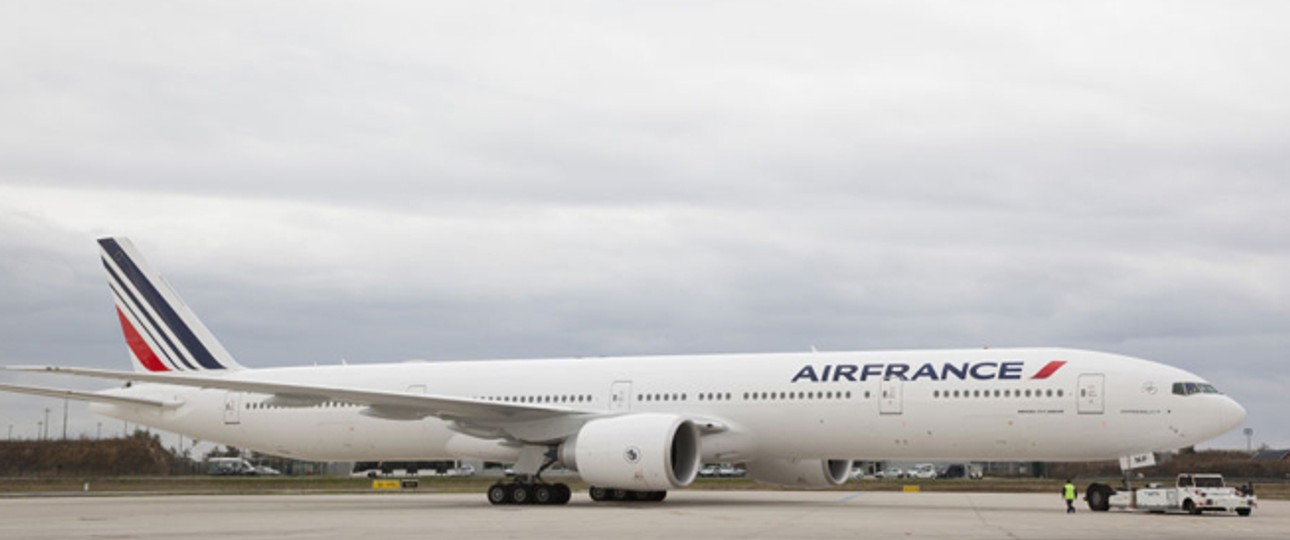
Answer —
(1099, 498)
(562, 493)
(619, 494)
(520, 494)
(598, 494)
(543, 494)
(498, 494)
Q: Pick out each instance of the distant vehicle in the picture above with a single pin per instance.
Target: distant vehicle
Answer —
(464, 470)
(961, 470)
(1191, 493)
(264, 470)
(710, 471)
(923, 471)
(890, 473)
(375, 469)
(727, 470)
(229, 466)
(857, 474)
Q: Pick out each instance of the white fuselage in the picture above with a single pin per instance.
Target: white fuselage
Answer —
(986, 405)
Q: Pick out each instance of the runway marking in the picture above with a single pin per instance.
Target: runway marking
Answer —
(851, 497)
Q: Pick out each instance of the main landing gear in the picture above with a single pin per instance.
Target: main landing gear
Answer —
(526, 489)
(530, 492)
(600, 494)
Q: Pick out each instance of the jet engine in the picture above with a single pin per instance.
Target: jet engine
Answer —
(800, 472)
(647, 452)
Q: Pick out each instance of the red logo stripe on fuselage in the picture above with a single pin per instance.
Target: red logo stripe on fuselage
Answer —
(138, 346)
(1049, 369)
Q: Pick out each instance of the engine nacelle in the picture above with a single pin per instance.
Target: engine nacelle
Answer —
(648, 452)
(800, 472)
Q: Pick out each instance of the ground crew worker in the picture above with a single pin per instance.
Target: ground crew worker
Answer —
(1068, 492)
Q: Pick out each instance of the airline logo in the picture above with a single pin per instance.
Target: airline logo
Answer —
(157, 335)
(946, 371)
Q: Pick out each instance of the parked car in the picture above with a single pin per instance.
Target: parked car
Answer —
(923, 471)
(464, 470)
(961, 470)
(229, 466)
(857, 474)
(265, 470)
(709, 471)
(890, 473)
(730, 471)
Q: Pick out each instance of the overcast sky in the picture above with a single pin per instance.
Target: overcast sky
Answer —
(386, 180)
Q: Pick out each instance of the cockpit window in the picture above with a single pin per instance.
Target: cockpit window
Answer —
(1189, 388)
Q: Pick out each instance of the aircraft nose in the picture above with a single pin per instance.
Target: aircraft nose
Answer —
(1235, 412)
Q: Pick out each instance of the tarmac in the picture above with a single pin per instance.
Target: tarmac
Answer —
(698, 514)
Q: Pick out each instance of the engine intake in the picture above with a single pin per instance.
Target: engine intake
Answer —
(647, 451)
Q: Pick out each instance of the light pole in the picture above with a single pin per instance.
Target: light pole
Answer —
(10, 438)
(40, 430)
(44, 432)
(65, 419)
(1249, 439)
(99, 433)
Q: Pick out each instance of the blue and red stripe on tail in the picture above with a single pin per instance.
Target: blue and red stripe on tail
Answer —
(162, 333)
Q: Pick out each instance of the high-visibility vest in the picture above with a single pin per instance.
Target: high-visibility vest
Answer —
(1070, 492)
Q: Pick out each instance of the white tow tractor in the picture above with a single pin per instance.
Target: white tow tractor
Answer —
(1192, 493)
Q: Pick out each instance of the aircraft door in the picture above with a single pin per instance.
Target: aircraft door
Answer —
(889, 398)
(620, 396)
(1091, 393)
(233, 408)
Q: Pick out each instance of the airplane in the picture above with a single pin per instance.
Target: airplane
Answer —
(635, 427)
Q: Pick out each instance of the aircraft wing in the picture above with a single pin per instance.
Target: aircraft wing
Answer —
(380, 403)
(88, 396)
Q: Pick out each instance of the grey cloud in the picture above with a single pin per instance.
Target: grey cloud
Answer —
(506, 180)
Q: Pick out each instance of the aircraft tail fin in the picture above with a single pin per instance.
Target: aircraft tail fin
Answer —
(161, 332)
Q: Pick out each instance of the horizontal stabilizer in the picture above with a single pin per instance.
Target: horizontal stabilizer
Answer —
(87, 396)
